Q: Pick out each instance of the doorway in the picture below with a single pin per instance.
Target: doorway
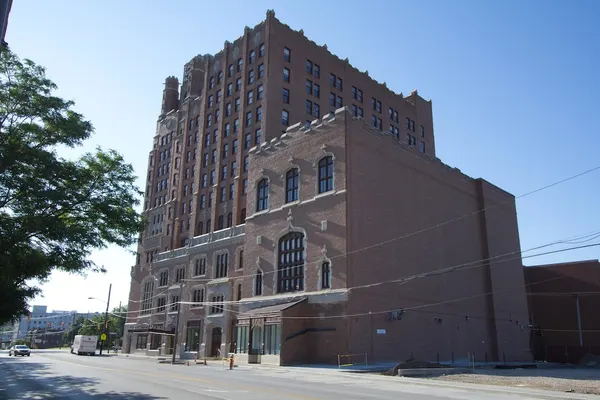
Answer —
(215, 343)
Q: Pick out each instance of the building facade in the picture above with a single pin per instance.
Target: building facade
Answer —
(563, 303)
(236, 260)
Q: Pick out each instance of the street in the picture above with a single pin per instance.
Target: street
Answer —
(60, 375)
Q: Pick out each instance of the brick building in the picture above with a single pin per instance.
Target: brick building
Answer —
(563, 301)
(275, 240)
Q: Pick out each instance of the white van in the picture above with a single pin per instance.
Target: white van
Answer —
(83, 344)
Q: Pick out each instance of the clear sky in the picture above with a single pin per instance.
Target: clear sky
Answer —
(515, 88)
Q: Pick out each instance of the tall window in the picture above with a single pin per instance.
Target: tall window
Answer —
(241, 260)
(217, 304)
(147, 297)
(290, 268)
(262, 196)
(164, 278)
(179, 275)
(229, 220)
(291, 185)
(325, 275)
(258, 281)
(200, 267)
(161, 304)
(197, 297)
(174, 303)
(326, 174)
(221, 265)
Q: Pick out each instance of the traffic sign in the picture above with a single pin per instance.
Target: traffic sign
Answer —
(103, 337)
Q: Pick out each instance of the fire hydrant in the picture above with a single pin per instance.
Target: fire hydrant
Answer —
(231, 362)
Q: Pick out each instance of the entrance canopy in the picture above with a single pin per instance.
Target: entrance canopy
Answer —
(273, 311)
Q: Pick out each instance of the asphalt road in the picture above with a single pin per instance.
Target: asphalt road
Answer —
(60, 375)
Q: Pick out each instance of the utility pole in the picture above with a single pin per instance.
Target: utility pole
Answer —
(104, 329)
(177, 323)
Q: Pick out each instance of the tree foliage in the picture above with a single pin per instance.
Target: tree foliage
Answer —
(94, 326)
(53, 211)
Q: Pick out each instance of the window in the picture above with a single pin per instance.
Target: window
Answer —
(216, 306)
(247, 141)
(212, 177)
(412, 141)
(332, 99)
(339, 102)
(309, 86)
(422, 146)
(291, 185)
(249, 118)
(246, 164)
(147, 297)
(354, 92)
(286, 96)
(161, 304)
(241, 256)
(262, 195)
(223, 196)
(234, 146)
(238, 84)
(233, 168)
(316, 90)
(229, 220)
(258, 114)
(218, 96)
(200, 266)
(316, 71)
(422, 129)
(261, 71)
(251, 56)
(332, 78)
(257, 135)
(250, 77)
(238, 103)
(230, 70)
(163, 279)
(221, 265)
(285, 117)
(221, 221)
(179, 274)
(287, 54)
(259, 92)
(225, 150)
(229, 89)
(325, 275)
(197, 297)
(243, 216)
(316, 110)
(326, 174)
(339, 83)
(174, 303)
(236, 125)
(258, 283)
(286, 74)
(308, 107)
(261, 50)
(240, 64)
(208, 225)
(309, 67)
(290, 266)
(202, 203)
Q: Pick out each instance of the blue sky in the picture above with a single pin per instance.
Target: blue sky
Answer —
(515, 87)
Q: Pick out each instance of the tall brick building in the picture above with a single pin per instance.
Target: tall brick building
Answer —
(278, 183)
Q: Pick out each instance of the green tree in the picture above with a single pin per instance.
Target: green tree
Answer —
(53, 211)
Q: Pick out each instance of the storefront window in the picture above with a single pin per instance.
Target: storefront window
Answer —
(193, 336)
(242, 339)
(141, 343)
(271, 339)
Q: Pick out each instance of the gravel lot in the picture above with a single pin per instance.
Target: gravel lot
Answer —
(580, 380)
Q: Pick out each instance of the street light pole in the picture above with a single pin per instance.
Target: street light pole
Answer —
(104, 329)
(177, 323)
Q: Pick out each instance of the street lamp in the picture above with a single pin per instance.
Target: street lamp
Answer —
(177, 323)
(105, 327)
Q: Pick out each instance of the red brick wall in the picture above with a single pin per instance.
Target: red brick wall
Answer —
(395, 192)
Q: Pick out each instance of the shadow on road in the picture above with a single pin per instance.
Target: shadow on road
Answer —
(24, 379)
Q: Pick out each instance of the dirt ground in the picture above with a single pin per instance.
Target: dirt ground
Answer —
(569, 380)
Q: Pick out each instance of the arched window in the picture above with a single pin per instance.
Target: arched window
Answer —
(258, 282)
(229, 220)
(208, 223)
(290, 266)
(262, 195)
(200, 228)
(326, 174)
(243, 216)
(220, 222)
(291, 185)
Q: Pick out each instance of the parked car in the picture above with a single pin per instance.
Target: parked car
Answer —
(19, 350)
